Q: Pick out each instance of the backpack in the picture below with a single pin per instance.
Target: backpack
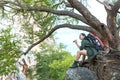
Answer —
(94, 42)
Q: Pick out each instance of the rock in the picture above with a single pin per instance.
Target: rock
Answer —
(80, 73)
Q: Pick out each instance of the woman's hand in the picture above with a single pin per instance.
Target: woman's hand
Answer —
(75, 41)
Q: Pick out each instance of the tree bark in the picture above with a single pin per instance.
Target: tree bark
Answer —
(106, 66)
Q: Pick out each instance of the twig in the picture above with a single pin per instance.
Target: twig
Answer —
(13, 17)
(100, 2)
(57, 4)
(106, 4)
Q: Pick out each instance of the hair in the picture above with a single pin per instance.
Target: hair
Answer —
(83, 34)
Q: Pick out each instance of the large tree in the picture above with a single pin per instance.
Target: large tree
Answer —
(109, 33)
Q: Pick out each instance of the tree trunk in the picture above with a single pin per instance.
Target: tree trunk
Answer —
(110, 39)
(116, 43)
(104, 66)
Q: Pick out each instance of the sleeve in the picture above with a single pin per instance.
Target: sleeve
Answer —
(82, 45)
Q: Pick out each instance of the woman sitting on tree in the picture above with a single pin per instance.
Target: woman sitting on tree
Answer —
(86, 49)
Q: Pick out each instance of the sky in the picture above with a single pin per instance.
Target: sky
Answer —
(66, 36)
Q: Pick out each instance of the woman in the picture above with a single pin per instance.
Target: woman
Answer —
(86, 49)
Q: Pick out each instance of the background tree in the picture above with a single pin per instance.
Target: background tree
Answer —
(118, 20)
(27, 28)
(33, 25)
(52, 62)
(9, 51)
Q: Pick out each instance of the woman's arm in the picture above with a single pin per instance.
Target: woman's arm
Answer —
(75, 41)
(84, 43)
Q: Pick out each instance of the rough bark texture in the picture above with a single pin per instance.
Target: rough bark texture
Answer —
(105, 66)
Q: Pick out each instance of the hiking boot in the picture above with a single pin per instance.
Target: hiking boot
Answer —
(75, 64)
(80, 63)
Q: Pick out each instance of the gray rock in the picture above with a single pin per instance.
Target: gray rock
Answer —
(80, 73)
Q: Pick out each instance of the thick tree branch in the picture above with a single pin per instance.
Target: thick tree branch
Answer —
(78, 27)
(92, 20)
(9, 2)
(59, 12)
(106, 4)
(116, 7)
(43, 9)
(111, 18)
(67, 4)
(118, 27)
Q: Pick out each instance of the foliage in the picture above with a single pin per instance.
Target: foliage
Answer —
(9, 51)
(52, 64)
(37, 28)
(58, 68)
(118, 20)
(34, 25)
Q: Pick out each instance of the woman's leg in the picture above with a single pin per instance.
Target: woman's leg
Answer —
(79, 53)
(83, 58)
(76, 62)
(78, 56)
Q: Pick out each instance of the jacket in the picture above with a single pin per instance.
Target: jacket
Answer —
(91, 51)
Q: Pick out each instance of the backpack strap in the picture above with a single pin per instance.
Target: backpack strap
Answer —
(97, 38)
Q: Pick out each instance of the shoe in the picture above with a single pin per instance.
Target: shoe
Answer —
(80, 63)
(85, 63)
(75, 64)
